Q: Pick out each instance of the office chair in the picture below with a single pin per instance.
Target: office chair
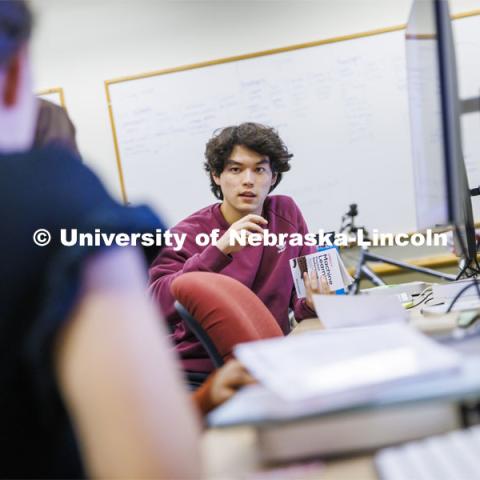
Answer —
(201, 335)
(221, 312)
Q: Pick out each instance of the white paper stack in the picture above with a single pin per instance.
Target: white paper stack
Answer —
(351, 362)
(358, 310)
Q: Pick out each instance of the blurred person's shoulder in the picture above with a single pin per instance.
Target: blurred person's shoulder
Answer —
(50, 188)
(50, 179)
(43, 164)
(40, 169)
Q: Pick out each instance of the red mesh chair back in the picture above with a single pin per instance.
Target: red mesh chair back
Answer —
(226, 310)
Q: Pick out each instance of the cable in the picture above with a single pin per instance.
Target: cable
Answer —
(467, 267)
(423, 300)
(477, 287)
(426, 294)
(462, 291)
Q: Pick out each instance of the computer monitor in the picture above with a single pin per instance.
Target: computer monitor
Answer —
(441, 184)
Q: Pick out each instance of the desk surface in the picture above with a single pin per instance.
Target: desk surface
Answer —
(232, 453)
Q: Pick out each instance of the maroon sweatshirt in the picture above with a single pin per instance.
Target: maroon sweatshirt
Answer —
(265, 270)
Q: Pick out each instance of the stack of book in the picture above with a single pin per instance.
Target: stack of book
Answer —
(347, 390)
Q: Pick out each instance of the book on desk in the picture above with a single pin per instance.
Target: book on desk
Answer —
(356, 418)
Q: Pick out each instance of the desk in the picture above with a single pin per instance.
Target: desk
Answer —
(306, 325)
(430, 325)
(231, 453)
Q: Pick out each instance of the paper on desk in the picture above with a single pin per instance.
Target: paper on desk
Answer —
(335, 362)
(255, 404)
(358, 310)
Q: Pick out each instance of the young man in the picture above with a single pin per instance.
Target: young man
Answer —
(88, 382)
(245, 163)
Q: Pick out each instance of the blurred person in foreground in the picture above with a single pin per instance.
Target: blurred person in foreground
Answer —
(89, 385)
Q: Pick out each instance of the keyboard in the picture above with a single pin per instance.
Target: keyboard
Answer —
(453, 456)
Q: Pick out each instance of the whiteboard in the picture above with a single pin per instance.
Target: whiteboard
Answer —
(54, 95)
(340, 106)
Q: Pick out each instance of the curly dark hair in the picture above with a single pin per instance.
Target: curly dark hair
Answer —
(259, 138)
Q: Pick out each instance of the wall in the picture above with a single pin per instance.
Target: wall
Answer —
(80, 43)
